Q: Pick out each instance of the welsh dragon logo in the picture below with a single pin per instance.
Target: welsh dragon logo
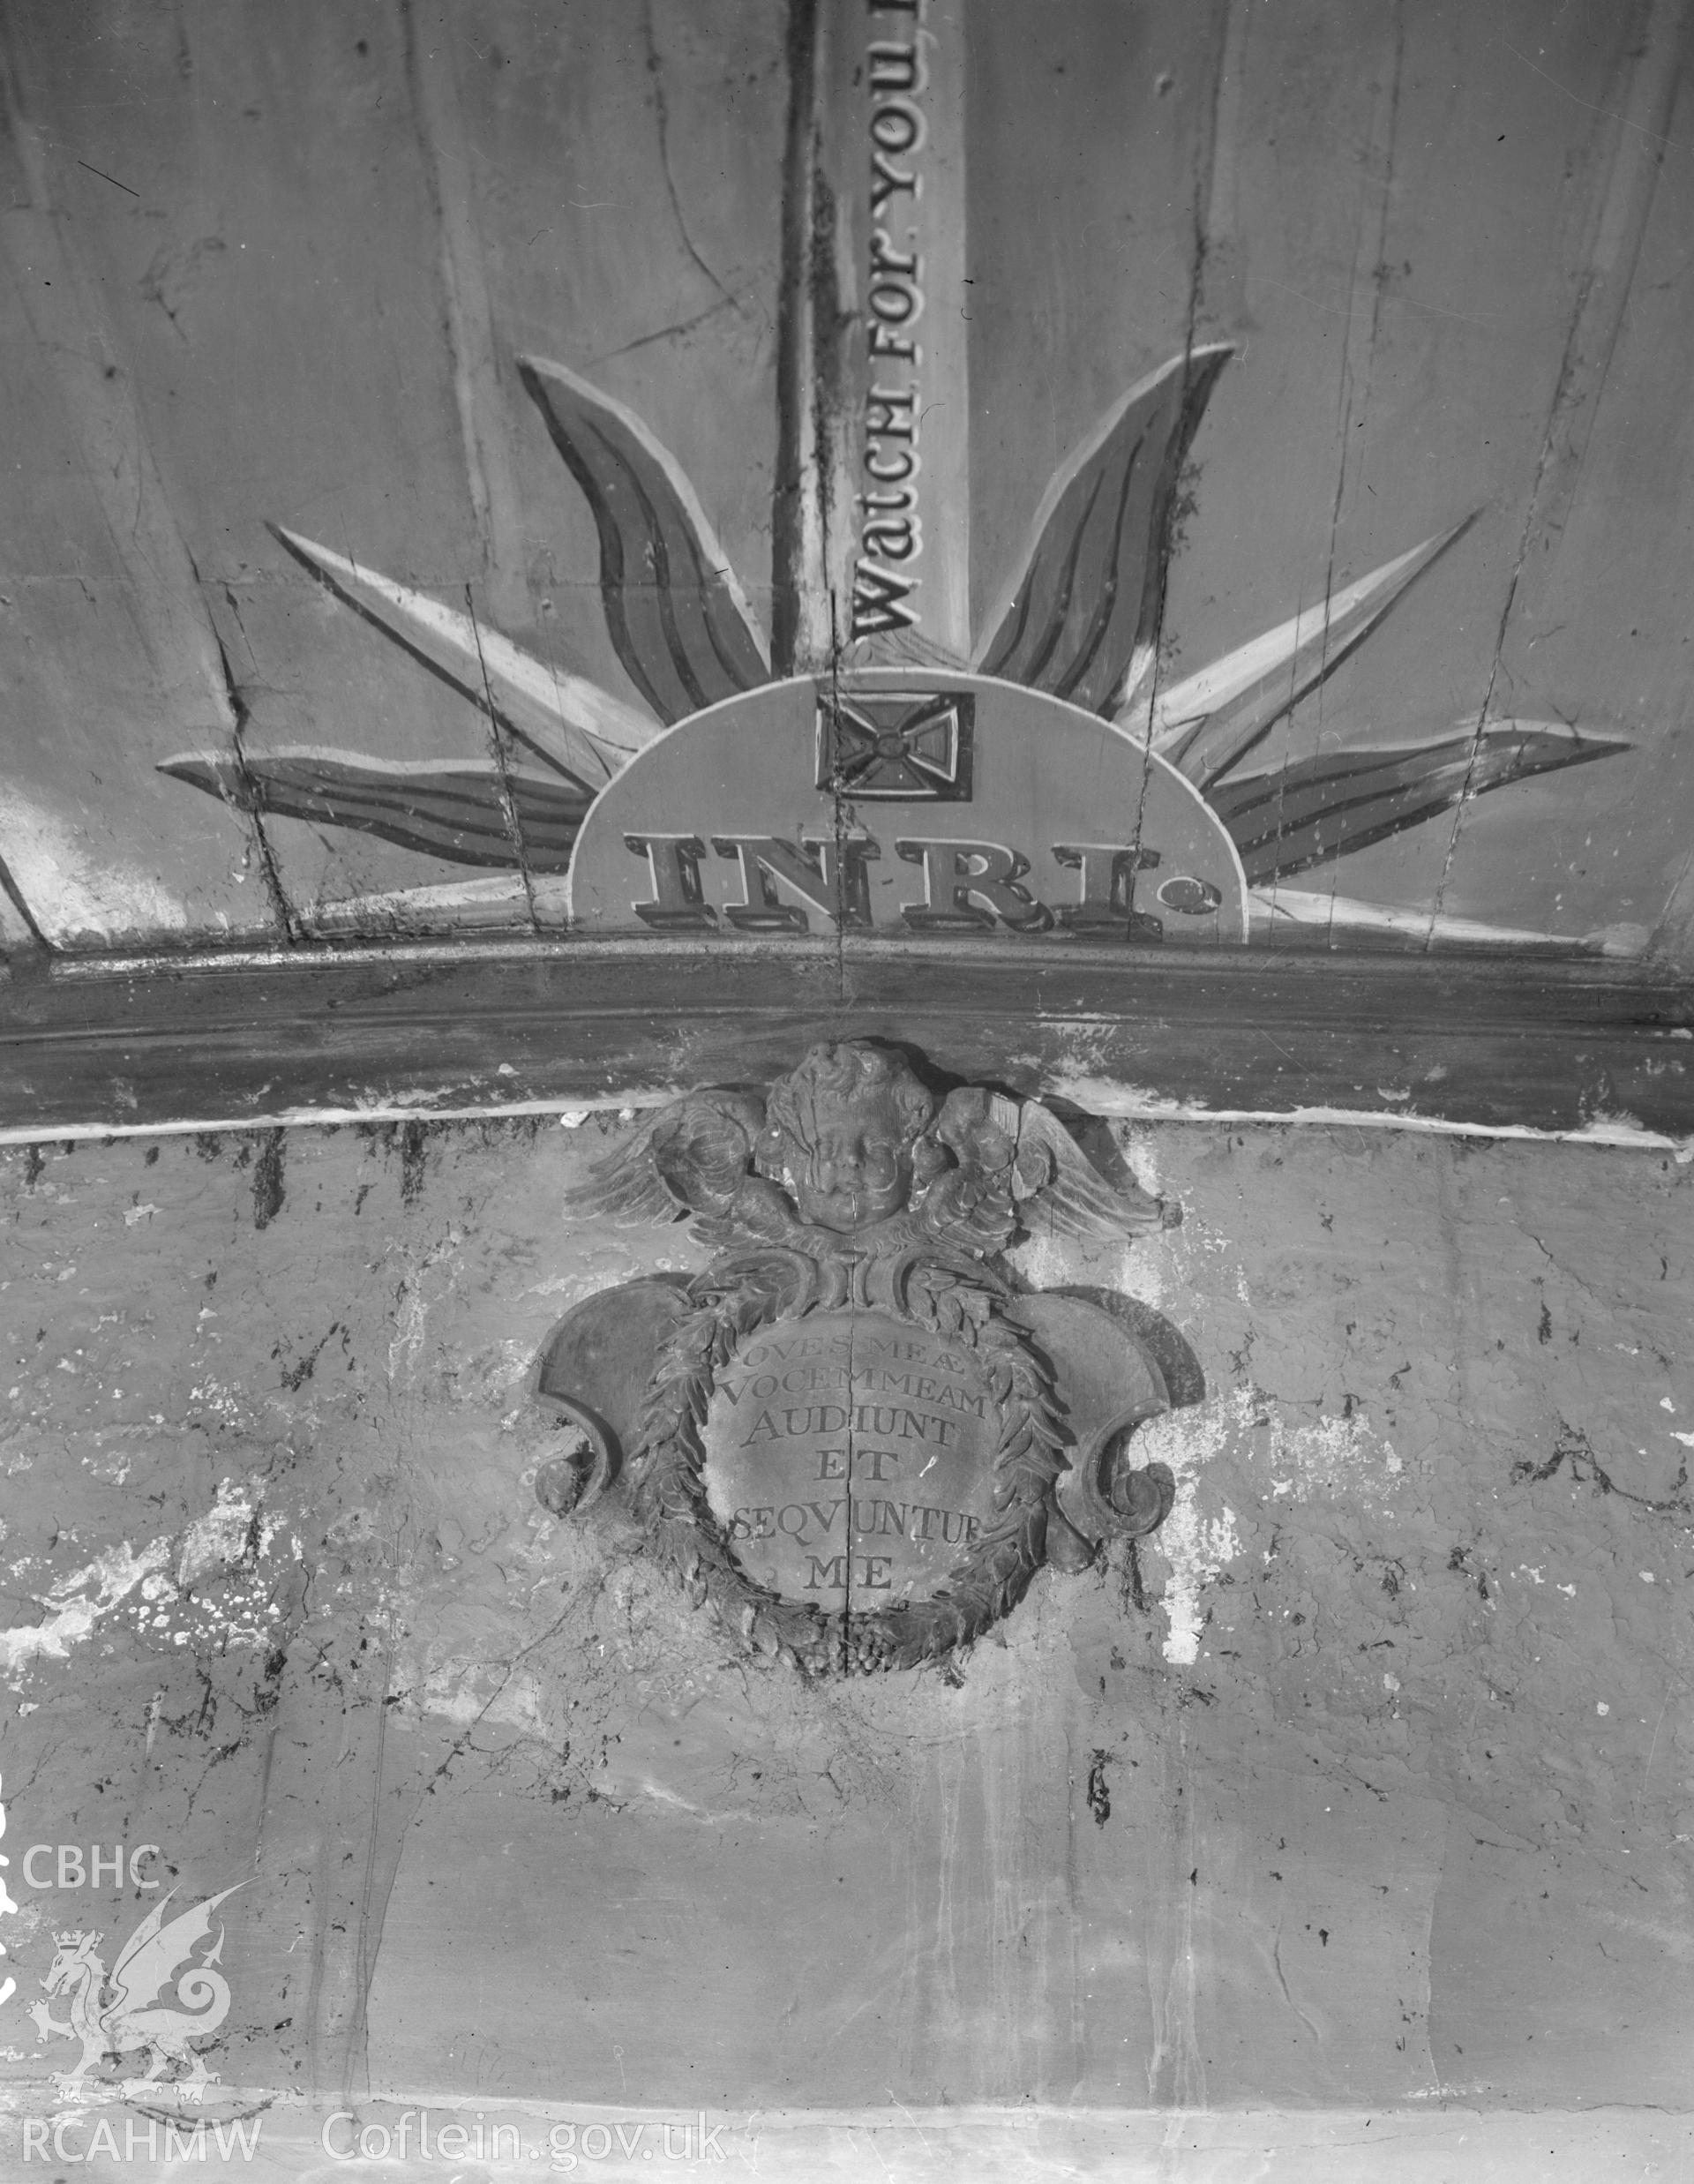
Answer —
(157, 1998)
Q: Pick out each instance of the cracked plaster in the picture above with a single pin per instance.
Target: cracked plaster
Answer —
(1363, 1782)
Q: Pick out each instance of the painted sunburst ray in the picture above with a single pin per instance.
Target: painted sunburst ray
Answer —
(1080, 616)
(1077, 620)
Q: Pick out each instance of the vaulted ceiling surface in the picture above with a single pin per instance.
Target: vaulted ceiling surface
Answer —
(272, 273)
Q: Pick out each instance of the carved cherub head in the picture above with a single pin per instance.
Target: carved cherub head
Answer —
(850, 1139)
(845, 1135)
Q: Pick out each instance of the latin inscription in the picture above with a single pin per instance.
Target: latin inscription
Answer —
(849, 1456)
(963, 886)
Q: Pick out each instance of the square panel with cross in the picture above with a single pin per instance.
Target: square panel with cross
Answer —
(910, 747)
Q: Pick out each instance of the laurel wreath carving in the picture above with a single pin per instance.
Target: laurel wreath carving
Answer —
(733, 1300)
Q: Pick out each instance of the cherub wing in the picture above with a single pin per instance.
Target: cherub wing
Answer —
(156, 1953)
(692, 1157)
(628, 1182)
(1060, 1189)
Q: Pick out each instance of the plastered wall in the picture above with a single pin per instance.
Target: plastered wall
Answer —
(1359, 1792)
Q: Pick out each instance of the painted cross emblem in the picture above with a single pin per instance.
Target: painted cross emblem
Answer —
(910, 746)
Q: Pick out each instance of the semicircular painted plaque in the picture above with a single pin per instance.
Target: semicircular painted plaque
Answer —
(906, 803)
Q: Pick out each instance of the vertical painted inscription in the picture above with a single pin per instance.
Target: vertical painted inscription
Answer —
(890, 531)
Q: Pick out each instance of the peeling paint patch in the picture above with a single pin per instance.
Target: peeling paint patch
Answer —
(1196, 1548)
(465, 1691)
(412, 1303)
(76, 892)
(223, 1535)
(78, 1604)
(1048, 1262)
(1199, 1548)
(1336, 1453)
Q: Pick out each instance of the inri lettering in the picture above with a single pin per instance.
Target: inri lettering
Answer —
(959, 886)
